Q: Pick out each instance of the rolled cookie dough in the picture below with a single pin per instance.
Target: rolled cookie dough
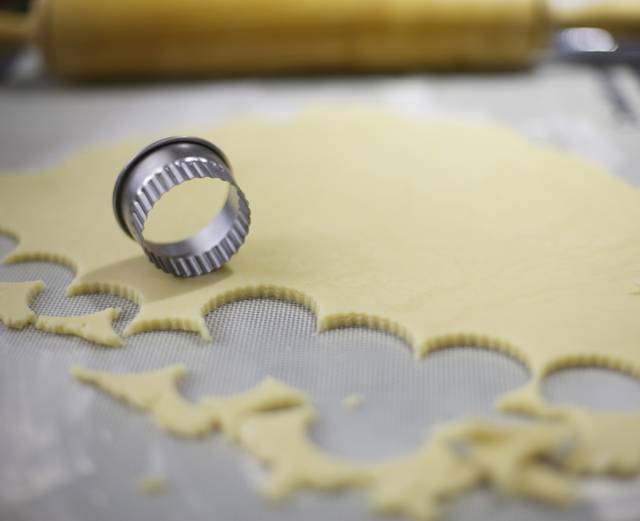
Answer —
(441, 232)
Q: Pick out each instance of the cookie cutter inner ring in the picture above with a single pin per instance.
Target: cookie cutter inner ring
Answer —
(157, 169)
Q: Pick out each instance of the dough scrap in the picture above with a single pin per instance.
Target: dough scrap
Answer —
(607, 442)
(512, 458)
(537, 460)
(95, 327)
(152, 485)
(417, 484)
(352, 401)
(268, 395)
(156, 392)
(443, 233)
(15, 298)
(279, 440)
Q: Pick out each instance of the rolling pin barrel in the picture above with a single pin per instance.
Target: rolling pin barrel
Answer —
(167, 38)
(160, 38)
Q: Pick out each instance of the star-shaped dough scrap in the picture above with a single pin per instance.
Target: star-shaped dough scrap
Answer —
(94, 327)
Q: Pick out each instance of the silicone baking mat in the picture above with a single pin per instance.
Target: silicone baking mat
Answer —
(68, 452)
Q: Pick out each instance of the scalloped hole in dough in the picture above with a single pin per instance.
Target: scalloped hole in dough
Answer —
(175, 217)
(7, 243)
(597, 388)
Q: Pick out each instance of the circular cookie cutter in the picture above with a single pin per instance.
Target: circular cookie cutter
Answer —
(157, 169)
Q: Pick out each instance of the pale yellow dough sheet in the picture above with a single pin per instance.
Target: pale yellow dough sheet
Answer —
(95, 327)
(441, 232)
(15, 298)
(535, 460)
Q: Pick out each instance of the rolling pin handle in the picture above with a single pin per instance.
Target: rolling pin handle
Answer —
(619, 17)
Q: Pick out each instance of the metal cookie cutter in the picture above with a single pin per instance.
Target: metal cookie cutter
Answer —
(156, 170)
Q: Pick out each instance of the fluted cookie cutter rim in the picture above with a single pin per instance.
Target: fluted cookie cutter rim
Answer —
(154, 171)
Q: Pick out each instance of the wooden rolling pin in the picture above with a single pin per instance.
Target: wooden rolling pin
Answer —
(115, 39)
